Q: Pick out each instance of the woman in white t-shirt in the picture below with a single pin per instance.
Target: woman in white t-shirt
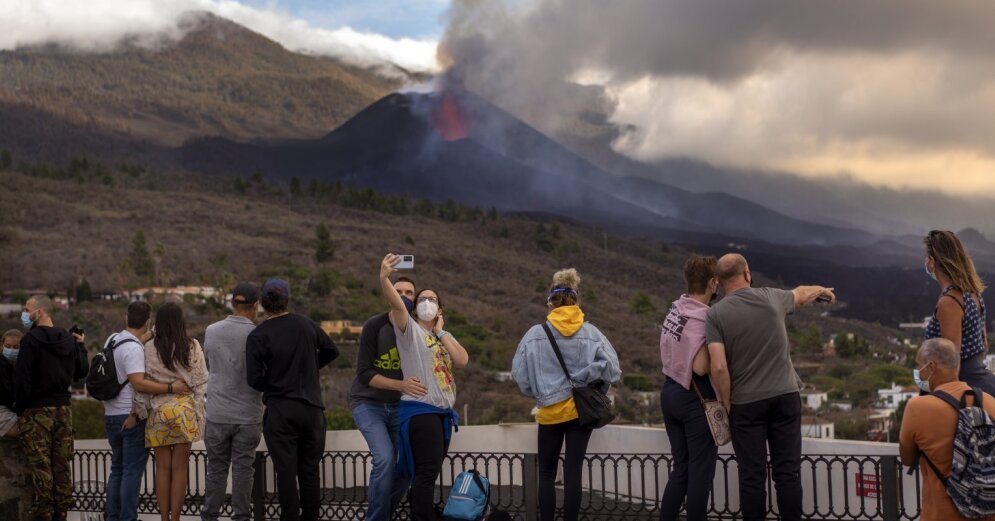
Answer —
(429, 353)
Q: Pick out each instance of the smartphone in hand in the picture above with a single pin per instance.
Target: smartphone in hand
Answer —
(407, 262)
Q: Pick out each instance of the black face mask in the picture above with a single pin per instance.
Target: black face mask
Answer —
(408, 303)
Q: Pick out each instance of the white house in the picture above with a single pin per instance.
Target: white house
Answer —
(814, 399)
(840, 405)
(815, 427)
(890, 398)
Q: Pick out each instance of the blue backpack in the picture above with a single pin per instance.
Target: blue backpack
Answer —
(971, 484)
(469, 498)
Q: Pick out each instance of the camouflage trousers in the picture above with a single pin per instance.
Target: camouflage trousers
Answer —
(47, 438)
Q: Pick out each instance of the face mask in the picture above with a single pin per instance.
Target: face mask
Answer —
(932, 274)
(427, 310)
(922, 384)
(10, 354)
(26, 319)
(408, 304)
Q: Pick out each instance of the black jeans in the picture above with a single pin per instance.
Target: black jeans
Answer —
(428, 447)
(693, 448)
(776, 422)
(550, 441)
(295, 439)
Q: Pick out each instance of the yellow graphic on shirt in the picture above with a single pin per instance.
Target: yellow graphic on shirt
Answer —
(443, 364)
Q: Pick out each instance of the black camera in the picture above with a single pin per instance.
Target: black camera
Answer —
(76, 330)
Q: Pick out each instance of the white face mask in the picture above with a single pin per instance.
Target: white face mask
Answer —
(427, 310)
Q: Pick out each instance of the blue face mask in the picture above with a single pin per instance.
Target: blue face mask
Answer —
(408, 303)
(26, 319)
(10, 354)
(922, 384)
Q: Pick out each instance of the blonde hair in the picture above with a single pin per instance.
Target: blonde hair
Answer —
(565, 279)
(949, 253)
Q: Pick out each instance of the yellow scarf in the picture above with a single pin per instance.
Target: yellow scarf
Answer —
(566, 319)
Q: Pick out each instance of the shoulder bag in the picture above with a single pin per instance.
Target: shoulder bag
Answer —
(593, 406)
(717, 416)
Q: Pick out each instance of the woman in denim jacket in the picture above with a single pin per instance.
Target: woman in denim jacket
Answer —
(590, 358)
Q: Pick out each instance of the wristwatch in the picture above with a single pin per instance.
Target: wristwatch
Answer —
(441, 334)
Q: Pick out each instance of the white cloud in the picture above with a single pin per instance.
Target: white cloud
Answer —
(99, 25)
(891, 119)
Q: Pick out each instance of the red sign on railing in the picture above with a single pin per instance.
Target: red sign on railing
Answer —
(867, 485)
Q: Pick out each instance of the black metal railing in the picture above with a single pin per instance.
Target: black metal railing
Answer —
(616, 486)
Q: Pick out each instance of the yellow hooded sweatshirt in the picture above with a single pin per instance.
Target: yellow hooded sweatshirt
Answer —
(567, 320)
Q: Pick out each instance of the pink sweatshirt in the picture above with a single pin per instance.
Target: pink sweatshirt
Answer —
(683, 334)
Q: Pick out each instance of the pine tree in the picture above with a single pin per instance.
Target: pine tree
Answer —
(5, 159)
(295, 186)
(323, 247)
(140, 258)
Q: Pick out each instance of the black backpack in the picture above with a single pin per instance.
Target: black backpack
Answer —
(102, 382)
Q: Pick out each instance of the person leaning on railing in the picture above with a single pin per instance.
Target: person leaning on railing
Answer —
(959, 315)
(428, 352)
(685, 362)
(590, 358)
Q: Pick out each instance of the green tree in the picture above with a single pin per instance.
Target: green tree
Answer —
(323, 247)
(88, 420)
(339, 419)
(313, 188)
(83, 292)
(543, 237)
(140, 258)
(5, 159)
(257, 177)
(295, 186)
(642, 304)
(240, 185)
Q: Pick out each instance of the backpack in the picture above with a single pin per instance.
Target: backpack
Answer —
(101, 382)
(469, 498)
(971, 484)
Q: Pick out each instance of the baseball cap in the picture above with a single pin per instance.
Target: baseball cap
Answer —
(245, 293)
(278, 284)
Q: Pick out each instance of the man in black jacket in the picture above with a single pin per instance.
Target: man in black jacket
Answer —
(49, 359)
(282, 358)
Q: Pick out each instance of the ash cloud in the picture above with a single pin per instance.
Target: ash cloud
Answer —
(103, 25)
(897, 93)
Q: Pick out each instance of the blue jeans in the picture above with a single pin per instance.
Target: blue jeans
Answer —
(128, 459)
(378, 423)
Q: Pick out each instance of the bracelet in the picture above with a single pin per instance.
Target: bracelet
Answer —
(441, 334)
(169, 388)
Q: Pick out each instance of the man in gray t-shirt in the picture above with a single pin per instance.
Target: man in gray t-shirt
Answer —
(752, 373)
(234, 410)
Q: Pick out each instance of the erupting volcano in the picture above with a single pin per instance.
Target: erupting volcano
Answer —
(449, 119)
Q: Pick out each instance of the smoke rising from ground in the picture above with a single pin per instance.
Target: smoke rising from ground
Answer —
(897, 93)
(100, 25)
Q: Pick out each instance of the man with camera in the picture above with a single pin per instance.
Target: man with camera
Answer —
(49, 359)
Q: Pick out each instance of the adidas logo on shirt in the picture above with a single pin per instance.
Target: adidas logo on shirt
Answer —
(388, 361)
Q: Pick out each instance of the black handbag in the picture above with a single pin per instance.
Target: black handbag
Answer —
(593, 406)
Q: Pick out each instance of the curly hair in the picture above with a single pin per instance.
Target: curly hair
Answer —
(567, 279)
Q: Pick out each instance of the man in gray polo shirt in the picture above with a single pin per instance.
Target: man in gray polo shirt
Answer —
(752, 373)
(234, 410)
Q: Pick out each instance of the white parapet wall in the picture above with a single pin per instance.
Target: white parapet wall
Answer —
(844, 483)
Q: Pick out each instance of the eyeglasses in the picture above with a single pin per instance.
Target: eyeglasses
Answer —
(430, 299)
